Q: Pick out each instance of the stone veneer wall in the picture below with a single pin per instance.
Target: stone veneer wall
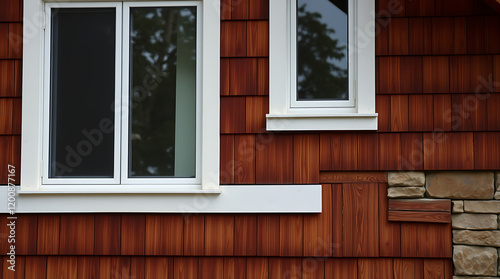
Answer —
(475, 219)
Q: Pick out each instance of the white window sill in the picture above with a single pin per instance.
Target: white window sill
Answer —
(230, 199)
(321, 122)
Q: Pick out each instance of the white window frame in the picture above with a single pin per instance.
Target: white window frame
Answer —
(35, 103)
(288, 114)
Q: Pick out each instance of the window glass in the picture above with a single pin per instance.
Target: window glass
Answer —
(322, 54)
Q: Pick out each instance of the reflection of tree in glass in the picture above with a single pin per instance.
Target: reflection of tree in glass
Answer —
(154, 38)
(318, 74)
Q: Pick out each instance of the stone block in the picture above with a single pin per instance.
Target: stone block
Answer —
(406, 192)
(473, 260)
(461, 185)
(468, 221)
(457, 206)
(482, 206)
(477, 238)
(406, 178)
(497, 195)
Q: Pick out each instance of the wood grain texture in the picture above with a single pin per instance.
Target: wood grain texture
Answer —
(469, 112)
(4, 40)
(224, 76)
(62, 267)
(274, 159)
(338, 151)
(496, 73)
(411, 74)
(360, 220)
(492, 26)
(232, 115)
(155, 267)
(306, 158)
(442, 112)
(448, 151)
(420, 205)
(412, 152)
(219, 235)
(256, 109)
(389, 151)
(233, 39)
(454, 8)
(420, 7)
(186, 268)
(88, 267)
(7, 78)
(383, 108)
(448, 269)
(460, 35)
(341, 268)
(257, 268)
(353, 177)
(15, 40)
(225, 9)
(433, 269)
(416, 36)
(137, 267)
(194, 237)
(429, 240)
(36, 267)
(368, 151)
(475, 35)
(164, 234)
(6, 114)
(442, 35)
(244, 159)
(470, 73)
(375, 268)
(114, 267)
(436, 74)
(291, 235)
(389, 233)
(404, 268)
(285, 267)
(234, 267)
(133, 231)
(389, 75)
(16, 117)
(263, 76)
(107, 234)
(258, 38)
(493, 103)
(419, 216)
(398, 36)
(420, 113)
(486, 151)
(10, 10)
(313, 268)
(245, 235)
(5, 157)
(227, 162)
(211, 268)
(259, 9)
(382, 39)
(26, 225)
(239, 9)
(268, 235)
(243, 76)
(399, 113)
(318, 231)
(76, 234)
(48, 234)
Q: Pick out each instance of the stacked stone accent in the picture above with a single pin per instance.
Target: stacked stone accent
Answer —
(475, 218)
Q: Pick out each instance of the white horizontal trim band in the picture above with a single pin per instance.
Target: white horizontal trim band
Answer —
(338, 122)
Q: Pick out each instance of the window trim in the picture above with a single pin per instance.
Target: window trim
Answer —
(32, 164)
(282, 116)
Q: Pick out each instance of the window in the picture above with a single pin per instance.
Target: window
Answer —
(128, 102)
(322, 69)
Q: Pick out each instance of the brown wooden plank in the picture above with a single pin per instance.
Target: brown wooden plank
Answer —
(383, 108)
(4, 40)
(268, 235)
(337, 246)
(353, 177)
(76, 234)
(16, 157)
(341, 268)
(442, 112)
(368, 151)
(375, 268)
(306, 158)
(435, 155)
(234, 267)
(274, 159)
(164, 234)
(404, 268)
(436, 76)
(7, 78)
(313, 268)
(26, 225)
(412, 153)
(258, 38)
(219, 235)
(419, 216)
(15, 40)
(420, 113)
(496, 73)
(433, 269)
(6, 115)
(411, 74)
(470, 73)
(360, 220)
(211, 268)
(420, 7)
(194, 238)
(239, 9)
(460, 35)
(19, 270)
(389, 151)
(492, 27)
(137, 269)
(88, 267)
(114, 267)
(17, 113)
(420, 205)
(389, 233)
(382, 39)
(5, 159)
(62, 267)
(398, 36)
(291, 235)
(469, 112)
(256, 109)
(448, 269)
(227, 162)
(285, 267)
(245, 235)
(442, 35)
(232, 115)
(156, 267)
(389, 75)
(486, 151)
(399, 113)
(133, 230)
(243, 76)
(233, 39)
(454, 7)
(48, 234)
(493, 103)
(259, 9)
(224, 76)
(107, 234)
(10, 10)
(244, 159)
(36, 267)
(416, 34)
(225, 9)
(339, 151)
(460, 151)
(430, 240)
(263, 76)
(186, 268)
(318, 231)
(475, 35)
(19, 75)
(257, 268)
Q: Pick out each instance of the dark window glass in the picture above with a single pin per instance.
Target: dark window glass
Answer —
(162, 124)
(82, 93)
(322, 39)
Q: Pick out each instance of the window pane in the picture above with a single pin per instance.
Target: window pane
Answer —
(82, 92)
(162, 92)
(322, 39)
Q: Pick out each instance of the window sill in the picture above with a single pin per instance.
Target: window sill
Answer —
(321, 122)
(231, 199)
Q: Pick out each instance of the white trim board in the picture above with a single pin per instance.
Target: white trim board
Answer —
(232, 199)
